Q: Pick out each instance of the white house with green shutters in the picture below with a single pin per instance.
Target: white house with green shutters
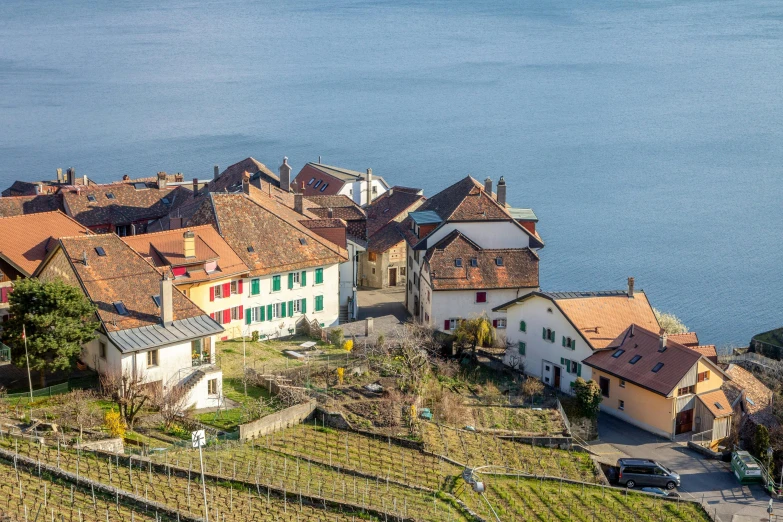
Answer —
(274, 303)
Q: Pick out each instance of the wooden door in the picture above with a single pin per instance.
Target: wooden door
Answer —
(557, 378)
(684, 422)
(392, 277)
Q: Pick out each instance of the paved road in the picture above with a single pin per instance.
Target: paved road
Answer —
(702, 479)
(377, 303)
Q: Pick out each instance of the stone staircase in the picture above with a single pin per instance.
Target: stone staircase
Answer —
(343, 317)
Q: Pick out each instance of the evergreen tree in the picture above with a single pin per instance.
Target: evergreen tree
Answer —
(588, 394)
(57, 319)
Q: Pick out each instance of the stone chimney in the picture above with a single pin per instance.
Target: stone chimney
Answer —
(125, 177)
(246, 182)
(217, 172)
(630, 286)
(84, 180)
(299, 203)
(59, 175)
(190, 244)
(38, 187)
(502, 192)
(195, 186)
(329, 213)
(161, 180)
(488, 185)
(369, 186)
(179, 177)
(70, 176)
(285, 175)
(166, 297)
(662, 339)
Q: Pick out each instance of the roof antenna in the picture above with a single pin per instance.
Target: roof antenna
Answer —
(319, 158)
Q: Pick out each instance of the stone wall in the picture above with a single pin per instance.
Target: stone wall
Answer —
(111, 445)
(276, 421)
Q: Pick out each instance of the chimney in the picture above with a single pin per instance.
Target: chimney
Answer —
(178, 177)
(161, 180)
(190, 244)
(329, 213)
(502, 192)
(246, 182)
(299, 203)
(84, 180)
(166, 305)
(84, 258)
(217, 172)
(195, 186)
(630, 286)
(71, 176)
(630, 334)
(285, 175)
(662, 339)
(38, 187)
(369, 186)
(59, 175)
(488, 185)
(125, 177)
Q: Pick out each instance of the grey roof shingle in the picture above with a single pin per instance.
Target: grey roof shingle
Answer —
(154, 336)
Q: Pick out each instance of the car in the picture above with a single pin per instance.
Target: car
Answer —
(646, 472)
(660, 492)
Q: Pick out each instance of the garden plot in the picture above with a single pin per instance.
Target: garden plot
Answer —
(27, 496)
(531, 500)
(227, 500)
(476, 449)
(525, 421)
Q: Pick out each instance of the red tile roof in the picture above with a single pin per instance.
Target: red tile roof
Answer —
(707, 351)
(392, 205)
(717, 402)
(388, 236)
(230, 180)
(18, 205)
(760, 396)
(519, 265)
(341, 206)
(26, 239)
(686, 339)
(677, 360)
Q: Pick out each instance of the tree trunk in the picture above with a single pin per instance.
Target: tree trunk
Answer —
(42, 379)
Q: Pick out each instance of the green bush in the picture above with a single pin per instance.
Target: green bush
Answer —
(336, 337)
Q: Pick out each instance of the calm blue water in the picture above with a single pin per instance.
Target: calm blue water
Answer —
(646, 135)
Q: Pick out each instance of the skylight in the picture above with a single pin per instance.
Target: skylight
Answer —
(618, 353)
(120, 307)
(473, 261)
(109, 195)
(635, 359)
(100, 251)
(165, 201)
(324, 187)
(251, 249)
(499, 261)
(657, 367)
(317, 183)
(719, 405)
(156, 298)
(458, 262)
(303, 241)
(140, 186)
(91, 198)
(311, 181)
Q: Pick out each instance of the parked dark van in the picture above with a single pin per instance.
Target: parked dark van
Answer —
(645, 472)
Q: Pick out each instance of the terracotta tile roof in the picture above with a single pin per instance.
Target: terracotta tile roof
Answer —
(273, 231)
(323, 223)
(316, 175)
(230, 180)
(33, 188)
(129, 203)
(18, 205)
(26, 239)
(707, 350)
(121, 275)
(677, 360)
(686, 339)
(717, 402)
(519, 265)
(392, 205)
(388, 236)
(167, 248)
(760, 396)
(342, 207)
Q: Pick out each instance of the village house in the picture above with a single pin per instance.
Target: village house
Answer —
(467, 253)
(18, 205)
(35, 188)
(325, 180)
(230, 180)
(148, 329)
(549, 334)
(294, 270)
(661, 386)
(383, 265)
(25, 241)
(750, 399)
(204, 267)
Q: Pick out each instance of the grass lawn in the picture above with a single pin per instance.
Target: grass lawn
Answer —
(543, 422)
(266, 355)
(228, 420)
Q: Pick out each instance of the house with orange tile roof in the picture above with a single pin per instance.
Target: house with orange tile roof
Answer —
(25, 241)
(147, 326)
(468, 252)
(204, 267)
(661, 386)
(549, 334)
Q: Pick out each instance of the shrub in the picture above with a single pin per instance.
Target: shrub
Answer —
(336, 337)
(588, 396)
(255, 336)
(532, 387)
(761, 442)
(670, 323)
(114, 423)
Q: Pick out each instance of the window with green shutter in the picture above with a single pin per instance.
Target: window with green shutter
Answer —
(543, 335)
(521, 348)
(269, 312)
(260, 314)
(578, 370)
(522, 326)
(282, 309)
(290, 308)
(249, 316)
(290, 280)
(564, 340)
(319, 303)
(303, 280)
(276, 283)
(303, 305)
(319, 276)
(255, 286)
(562, 361)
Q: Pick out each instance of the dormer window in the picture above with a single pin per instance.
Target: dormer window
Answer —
(458, 262)
(499, 261)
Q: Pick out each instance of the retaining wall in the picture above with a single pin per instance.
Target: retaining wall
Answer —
(111, 445)
(276, 421)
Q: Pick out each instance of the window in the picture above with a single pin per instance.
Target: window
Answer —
(156, 298)
(603, 383)
(317, 183)
(569, 343)
(618, 353)
(402, 270)
(451, 324)
(152, 358)
(685, 390)
(372, 256)
(212, 386)
(373, 270)
(481, 297)
(319, 276)
(140, 186)
(622, 383)
(251, 249)
(165, 201)
(522, 346)
(549, 335)
(319, 303)
(324, 187)
(657, 367)
(218, 291)
(621, 406)
(374, 189)
(718, 405)
(311, 181)
(234, 288)
(522, 326)
(635, 359)
(703, 376)
(276, 283)
(295, 278)
(278, 310)
(102, 350)
(122, 230)
(297, 306)
(500, 323)
(499, 261)
(119, 306)
(458, 262)
(91, 198)
(100, 251)
(109, 195)
(473, 262)
(236, 313)
(255, 286)
(410, 262)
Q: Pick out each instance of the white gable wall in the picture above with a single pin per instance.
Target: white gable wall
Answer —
(357, 190)
(461, 304)
(535, 312)
(486, 234)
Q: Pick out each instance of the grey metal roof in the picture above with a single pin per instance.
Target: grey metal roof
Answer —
(344, 174)
(525, 214)
(154, 336)
(425, 217)
(577, 295)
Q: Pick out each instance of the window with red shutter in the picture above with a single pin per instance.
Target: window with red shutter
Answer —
(241, 308)
(481, 297)
(226, 289)
(3, 295)
(226, 316)
(446, 324)
(494, 323)
(211, 293)
(240, 287)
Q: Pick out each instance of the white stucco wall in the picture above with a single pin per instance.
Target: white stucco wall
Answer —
(461, 304)
(535, 312)
(349, 273)
(357, 191)
(495, 234)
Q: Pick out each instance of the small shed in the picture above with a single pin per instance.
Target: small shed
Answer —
(713, 413)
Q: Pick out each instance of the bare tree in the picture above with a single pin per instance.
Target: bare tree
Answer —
(78, 409)
(172, 404)
(532, 387)
(129, 390)
(292, 395)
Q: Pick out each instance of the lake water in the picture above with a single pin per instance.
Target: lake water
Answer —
(646, 135)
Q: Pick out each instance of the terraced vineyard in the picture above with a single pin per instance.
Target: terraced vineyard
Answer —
(538, 501)
(475, 449)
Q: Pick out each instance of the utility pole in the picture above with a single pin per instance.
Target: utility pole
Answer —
(199, 440)
(27, 359)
